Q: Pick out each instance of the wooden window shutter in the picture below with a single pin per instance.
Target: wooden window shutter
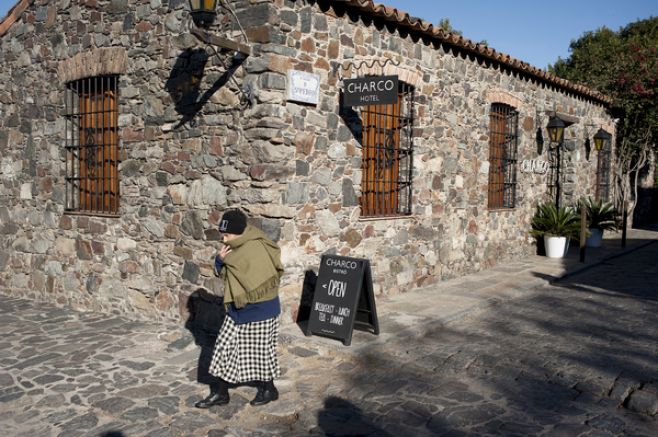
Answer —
(92, 146)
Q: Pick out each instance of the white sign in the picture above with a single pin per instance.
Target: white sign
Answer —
(534, 166)
(303, 87)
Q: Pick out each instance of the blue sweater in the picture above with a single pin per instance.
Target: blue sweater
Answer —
(255, 312)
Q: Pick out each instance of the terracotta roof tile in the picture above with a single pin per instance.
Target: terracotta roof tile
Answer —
(13, 15)
(405, 20)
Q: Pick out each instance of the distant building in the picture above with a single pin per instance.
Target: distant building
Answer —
(123, 138)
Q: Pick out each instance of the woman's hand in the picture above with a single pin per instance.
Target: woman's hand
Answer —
(225, 250)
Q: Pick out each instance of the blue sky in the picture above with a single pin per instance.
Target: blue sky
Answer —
(532, 31)
(528, 30)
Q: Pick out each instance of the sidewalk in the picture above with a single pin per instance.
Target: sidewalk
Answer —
(409, 314)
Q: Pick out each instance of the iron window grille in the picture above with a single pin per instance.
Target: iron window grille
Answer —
(503, 151)
(387, 141)
(92, 146)
(552, 174)
(603, 174)
(556, 162)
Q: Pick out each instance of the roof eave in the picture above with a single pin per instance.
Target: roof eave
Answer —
(403, 19)
(13, 15)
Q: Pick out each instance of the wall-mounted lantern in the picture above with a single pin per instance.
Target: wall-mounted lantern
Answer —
(203, 12)
(555, 128)
(600, 139)
(230, 54)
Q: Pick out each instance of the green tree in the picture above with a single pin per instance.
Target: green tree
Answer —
(624, 66)
(444, 23)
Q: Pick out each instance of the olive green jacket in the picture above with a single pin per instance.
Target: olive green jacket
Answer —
(252, 270)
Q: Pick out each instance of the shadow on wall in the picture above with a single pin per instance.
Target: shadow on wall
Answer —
(186, 79)
(352, 120)
(184, 83)
(306, 300)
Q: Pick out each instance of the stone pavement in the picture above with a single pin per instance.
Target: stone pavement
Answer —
(453, 299)
(500, 352)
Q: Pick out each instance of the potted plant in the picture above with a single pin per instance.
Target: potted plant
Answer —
(556, 226)
(600, 216)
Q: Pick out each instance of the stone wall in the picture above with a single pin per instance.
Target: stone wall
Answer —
(295, 167)
(180, 168)
(451, 231)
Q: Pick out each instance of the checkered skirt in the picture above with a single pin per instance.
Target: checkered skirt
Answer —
(246, 352)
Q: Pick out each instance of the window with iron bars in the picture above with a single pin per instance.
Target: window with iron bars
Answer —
(503, 144)
(92, 146)
(387, 145)
(603, 174)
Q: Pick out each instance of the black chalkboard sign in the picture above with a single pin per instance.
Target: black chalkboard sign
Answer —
(343, 296)
(370, 90)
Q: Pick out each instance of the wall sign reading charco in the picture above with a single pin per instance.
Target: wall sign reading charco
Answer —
(534, 166)
(303, 87)
(372, 90)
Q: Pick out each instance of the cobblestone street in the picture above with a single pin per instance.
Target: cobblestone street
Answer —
(576, 358)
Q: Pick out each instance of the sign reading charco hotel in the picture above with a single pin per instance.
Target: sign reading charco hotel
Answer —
(374, 90)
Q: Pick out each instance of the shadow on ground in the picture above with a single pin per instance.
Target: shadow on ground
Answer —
(579, 356)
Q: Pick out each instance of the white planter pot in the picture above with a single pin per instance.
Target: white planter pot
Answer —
(555, 246)
(595, 239)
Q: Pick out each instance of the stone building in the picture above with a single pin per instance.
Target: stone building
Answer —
(123, 137)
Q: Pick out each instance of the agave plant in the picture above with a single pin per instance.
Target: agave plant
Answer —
(600, 215)
(551, 221)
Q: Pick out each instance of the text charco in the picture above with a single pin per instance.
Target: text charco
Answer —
(370, 87)
(341, 266)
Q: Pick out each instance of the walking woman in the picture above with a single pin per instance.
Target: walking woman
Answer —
(249, 265)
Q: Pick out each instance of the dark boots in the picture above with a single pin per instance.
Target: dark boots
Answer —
(266, 393)
(218, 396)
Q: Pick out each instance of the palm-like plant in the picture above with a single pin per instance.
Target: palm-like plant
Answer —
(600, 215)
(551, 221)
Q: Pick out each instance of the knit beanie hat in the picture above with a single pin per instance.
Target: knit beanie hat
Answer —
(233, 222)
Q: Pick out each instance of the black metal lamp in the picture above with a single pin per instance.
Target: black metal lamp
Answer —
(555, 129)
(203, 12)
(600, 138)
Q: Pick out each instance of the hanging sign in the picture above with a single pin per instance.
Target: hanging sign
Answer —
(372, 90)
(343, 296)
(303, 87)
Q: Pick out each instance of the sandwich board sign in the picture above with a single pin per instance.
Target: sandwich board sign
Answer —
(343, 297)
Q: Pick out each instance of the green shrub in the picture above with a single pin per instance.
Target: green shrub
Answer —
(600, 215)
(548, 220)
